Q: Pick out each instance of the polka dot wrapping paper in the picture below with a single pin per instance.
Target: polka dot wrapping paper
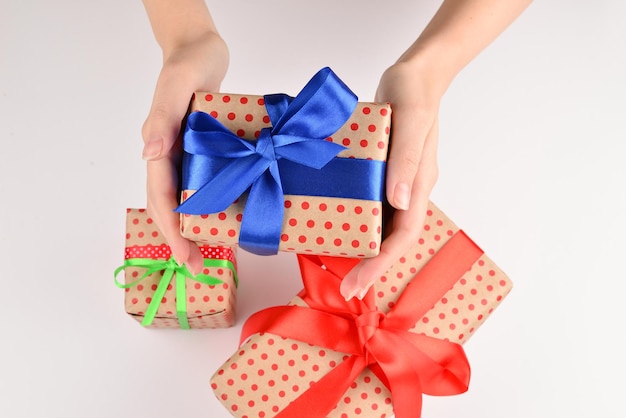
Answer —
(207, 306)
(269, 372)
(311, 224)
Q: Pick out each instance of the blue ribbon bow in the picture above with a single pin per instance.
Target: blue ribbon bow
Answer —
(300, 127)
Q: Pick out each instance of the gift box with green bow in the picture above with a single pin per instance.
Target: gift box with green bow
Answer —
(322, 356)
(161, 293)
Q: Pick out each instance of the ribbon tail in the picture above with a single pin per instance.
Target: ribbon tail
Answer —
(157, 298)
(226, 187)
(403, 379)
(181, 301)
(262, 221)
(211, 280)
(443, 366)
(213, 262)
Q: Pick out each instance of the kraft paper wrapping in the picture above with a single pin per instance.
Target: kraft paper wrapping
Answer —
(312, 224)
(208, 306)
(268, 372)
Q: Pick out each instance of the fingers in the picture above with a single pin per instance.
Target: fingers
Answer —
(415, 108)
(407, 225)
(198, 64)
(404, 235)
(410, 128)
(160, 133)
(169, 106)
(162, 191)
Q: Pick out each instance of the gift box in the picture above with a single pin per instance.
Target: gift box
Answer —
(305, 174)
(320, 356)
(163, 294)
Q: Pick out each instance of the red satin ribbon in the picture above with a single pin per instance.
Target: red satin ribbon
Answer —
(408, 364)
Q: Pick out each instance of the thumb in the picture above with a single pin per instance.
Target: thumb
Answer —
(410, 127)
(169, 107)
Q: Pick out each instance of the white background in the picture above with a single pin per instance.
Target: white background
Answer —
(532, 151)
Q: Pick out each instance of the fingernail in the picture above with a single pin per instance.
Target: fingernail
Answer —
(198, 269)
(349, 284)
(351, 294)
(364, 290)
(152, 149)
(402, 196)
(191, 267)
(348, 288)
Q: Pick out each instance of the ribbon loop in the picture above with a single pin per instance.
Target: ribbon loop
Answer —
(300, 126)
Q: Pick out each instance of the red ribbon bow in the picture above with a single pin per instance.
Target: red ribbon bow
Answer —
(408, 364)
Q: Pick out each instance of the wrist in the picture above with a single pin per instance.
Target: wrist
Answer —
(434, 61)
(194, 38)
(457, 33)
(178, 24)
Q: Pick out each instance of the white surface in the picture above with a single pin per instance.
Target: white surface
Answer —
(531, 155)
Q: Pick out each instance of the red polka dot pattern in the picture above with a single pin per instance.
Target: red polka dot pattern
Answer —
(354, 228)
(275, 366)
(366, 134)
(363, 133)
(207, 306)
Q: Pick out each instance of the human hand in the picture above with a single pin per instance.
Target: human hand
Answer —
(198, 64)
(411, 170)
(414, 85)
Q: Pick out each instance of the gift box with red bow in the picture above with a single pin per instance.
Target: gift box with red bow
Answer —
(306, 174)
(161, 293)
(321, 356)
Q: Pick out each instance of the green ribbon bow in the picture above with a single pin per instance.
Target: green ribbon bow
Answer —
(170, 268)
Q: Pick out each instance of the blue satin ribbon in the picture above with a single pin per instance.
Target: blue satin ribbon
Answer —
(285, 159)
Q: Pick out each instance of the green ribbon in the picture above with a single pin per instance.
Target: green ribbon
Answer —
(170, 268)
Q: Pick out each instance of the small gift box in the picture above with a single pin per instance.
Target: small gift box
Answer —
(321, 356)
(305, 174)
(161, 293)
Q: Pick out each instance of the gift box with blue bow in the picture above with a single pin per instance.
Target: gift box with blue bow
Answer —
(273, 173)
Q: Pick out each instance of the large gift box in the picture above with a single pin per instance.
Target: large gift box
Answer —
(161, 293)
(321, 356)
(305, 174)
